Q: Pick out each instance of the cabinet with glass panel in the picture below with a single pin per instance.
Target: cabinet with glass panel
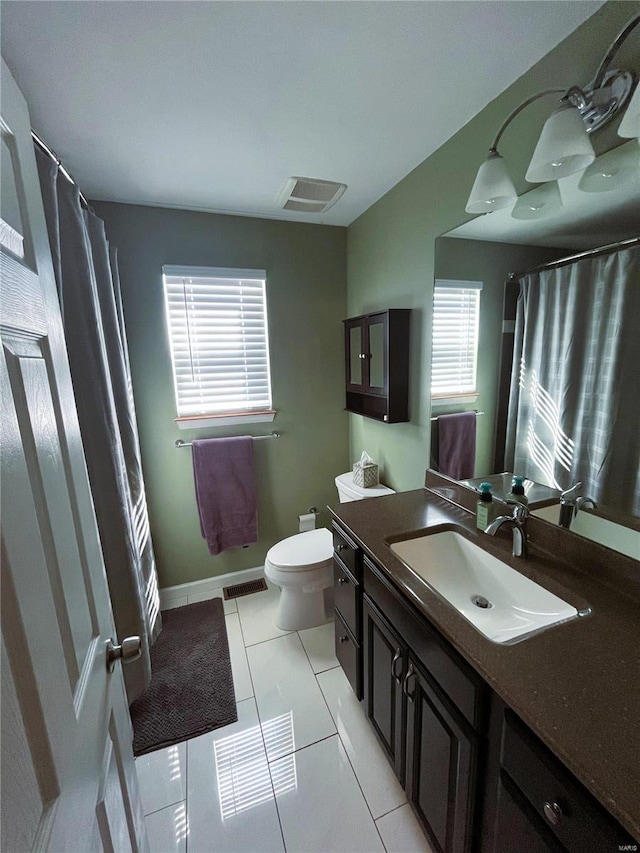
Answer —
(377, 365)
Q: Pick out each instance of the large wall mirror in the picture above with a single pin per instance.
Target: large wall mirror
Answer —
(553, 222)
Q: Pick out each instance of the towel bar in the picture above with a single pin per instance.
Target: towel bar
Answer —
(181, 443)
(437, 416)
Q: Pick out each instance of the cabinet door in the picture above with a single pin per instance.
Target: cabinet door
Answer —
(356, 360)
(384, 667)
(376, 352)
(441, 765)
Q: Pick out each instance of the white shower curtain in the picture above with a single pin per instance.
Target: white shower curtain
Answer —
(89, 292)
(574, 407)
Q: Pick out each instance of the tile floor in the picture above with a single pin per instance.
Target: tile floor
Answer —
(300, 771)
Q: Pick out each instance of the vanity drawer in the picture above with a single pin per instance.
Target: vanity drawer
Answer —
(347, 550)
(346, 596)
(348, 653)
(576, 819)
(453, 675)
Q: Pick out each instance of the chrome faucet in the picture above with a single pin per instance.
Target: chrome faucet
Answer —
(517, 520)
(570, 503)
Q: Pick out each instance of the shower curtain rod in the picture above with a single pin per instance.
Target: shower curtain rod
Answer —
(589, 253)
(51, 153)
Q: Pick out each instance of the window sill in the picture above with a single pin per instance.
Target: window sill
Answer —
(226, 419)
(452, 399)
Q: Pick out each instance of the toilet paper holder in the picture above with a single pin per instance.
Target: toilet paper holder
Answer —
(307, 521)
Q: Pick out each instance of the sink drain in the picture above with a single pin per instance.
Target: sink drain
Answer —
(481, 601)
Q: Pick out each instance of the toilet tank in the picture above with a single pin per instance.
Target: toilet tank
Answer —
(348, 491)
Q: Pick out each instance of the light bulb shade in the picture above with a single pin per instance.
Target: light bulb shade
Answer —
(563, 148)
(616, 169)
(492, 188)
(538, 203)
(630, 124)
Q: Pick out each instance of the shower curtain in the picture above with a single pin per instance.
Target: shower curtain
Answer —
(89, 291)
(574, 406)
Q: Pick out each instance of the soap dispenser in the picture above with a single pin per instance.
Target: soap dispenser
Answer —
(517, 494)
(486, 511)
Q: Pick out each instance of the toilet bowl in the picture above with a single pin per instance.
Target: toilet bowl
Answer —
(302, 566)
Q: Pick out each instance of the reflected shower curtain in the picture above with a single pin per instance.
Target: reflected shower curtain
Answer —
(574, 406)
(89, 292)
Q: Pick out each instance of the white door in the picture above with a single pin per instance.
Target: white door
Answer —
(68, 776)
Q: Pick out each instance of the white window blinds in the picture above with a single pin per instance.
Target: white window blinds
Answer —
(456, 315)
(217, 321)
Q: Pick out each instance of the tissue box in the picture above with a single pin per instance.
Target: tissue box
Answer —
(366, 475)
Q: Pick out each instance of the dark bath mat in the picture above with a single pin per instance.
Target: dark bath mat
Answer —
(191, 689)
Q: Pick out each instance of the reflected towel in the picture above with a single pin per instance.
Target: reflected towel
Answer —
(457, 445)
(225, 491)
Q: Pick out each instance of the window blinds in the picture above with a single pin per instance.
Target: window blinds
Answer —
(456, 314)
(217, 321)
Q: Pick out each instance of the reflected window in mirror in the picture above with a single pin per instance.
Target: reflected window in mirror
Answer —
(456, 325)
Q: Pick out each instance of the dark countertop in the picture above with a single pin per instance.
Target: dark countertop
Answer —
(576, 685)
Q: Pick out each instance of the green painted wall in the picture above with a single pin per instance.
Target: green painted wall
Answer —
(306, 297)
(391, 247)
(490, 263)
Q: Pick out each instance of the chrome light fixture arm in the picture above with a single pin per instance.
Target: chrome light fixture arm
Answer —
(519, 109)
(617, 43)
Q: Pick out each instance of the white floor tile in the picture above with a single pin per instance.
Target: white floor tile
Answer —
(162, 777)
(231, 805)
(321, 807)
(239, 666)
(379, 784)
(292, 710)
(258, 616)
(229, 606)
(401, 832)
(167, 830)
(319, 644)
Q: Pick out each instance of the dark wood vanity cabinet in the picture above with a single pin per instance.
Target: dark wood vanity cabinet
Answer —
(385, 665)
(476, 776)
(377, 365)
(539, 804)
(431, 745)
(347, 598)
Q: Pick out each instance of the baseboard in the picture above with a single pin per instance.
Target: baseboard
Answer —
(180, 594)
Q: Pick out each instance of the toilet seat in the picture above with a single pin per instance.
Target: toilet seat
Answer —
(303, 552)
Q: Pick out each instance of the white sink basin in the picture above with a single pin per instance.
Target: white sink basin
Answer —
(501, 603)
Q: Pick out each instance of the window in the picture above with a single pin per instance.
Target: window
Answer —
(456, 314)
(217, 320)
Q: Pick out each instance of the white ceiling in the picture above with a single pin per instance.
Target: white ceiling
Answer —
(213, 105)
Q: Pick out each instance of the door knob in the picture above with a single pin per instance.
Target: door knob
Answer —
(130, 649)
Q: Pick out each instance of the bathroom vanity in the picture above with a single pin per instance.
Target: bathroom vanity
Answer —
(525, 746)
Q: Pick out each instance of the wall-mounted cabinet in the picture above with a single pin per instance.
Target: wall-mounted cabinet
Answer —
(377, 365)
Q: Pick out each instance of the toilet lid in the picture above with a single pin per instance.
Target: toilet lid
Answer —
(309, 550)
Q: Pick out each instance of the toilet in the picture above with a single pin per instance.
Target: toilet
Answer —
(301, 565)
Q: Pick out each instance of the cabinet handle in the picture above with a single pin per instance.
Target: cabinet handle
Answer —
(405, 687)
(343, 639)
(552, 812)
(342, 580)
(342, 548)
(397, 657)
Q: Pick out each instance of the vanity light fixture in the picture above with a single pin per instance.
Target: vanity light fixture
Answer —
(564, 146)
(630, 124)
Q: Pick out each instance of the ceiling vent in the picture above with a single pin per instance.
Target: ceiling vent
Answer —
(310, 195)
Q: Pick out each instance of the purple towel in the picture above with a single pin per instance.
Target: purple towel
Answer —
(457, 445)
(225, 491)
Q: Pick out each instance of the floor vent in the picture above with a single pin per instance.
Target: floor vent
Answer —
(244, 588)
